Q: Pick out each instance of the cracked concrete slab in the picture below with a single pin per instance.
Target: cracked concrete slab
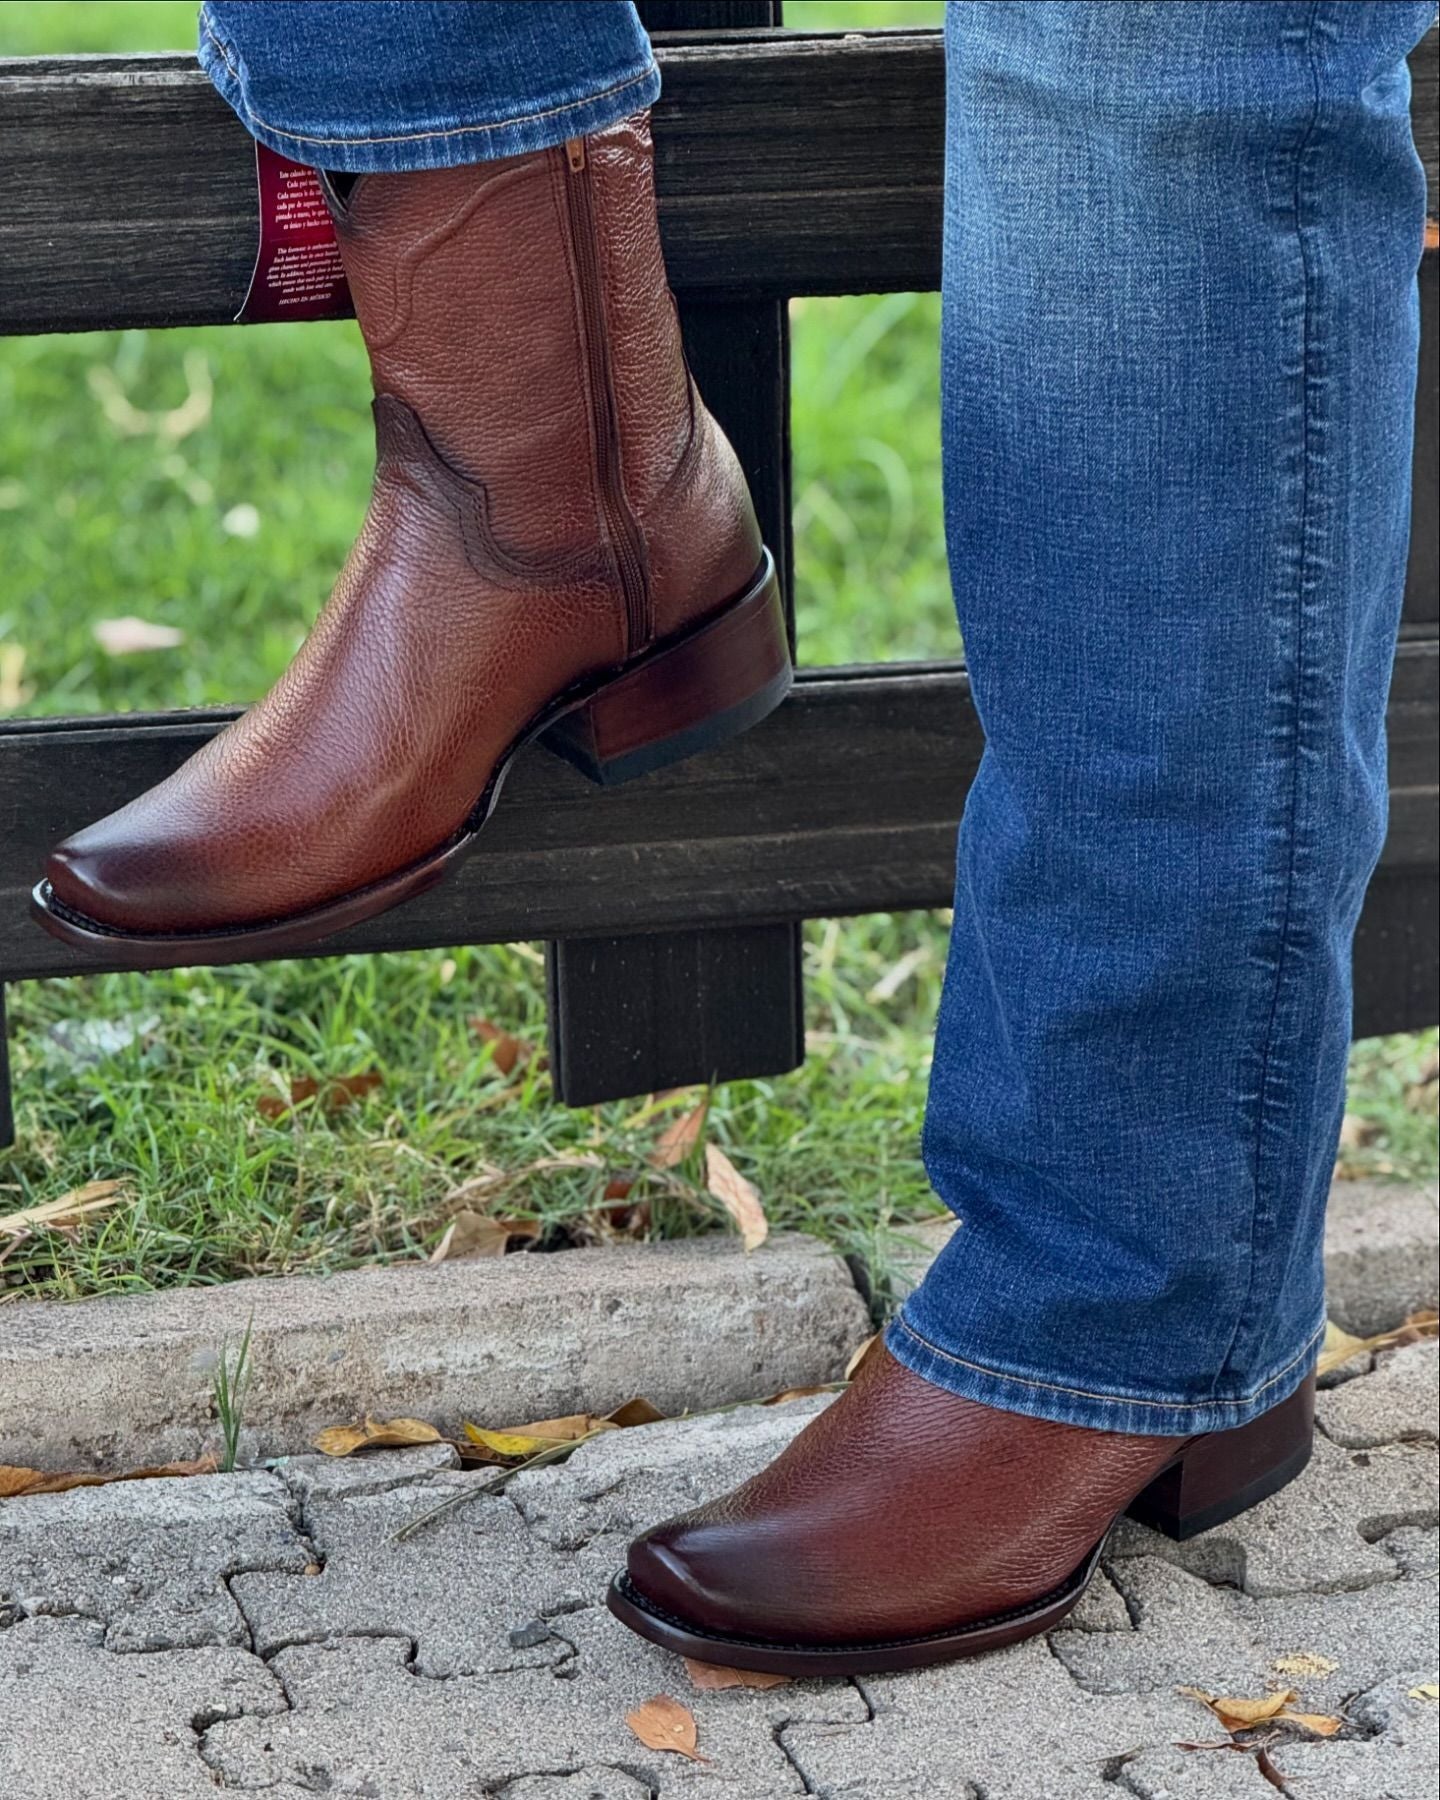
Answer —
(1320, 1533)
(1186, 1633)
(1398, 1759)
(149, 1560)
(1010, 1727)
(1368, 1636)
(364, 1724)
(1400, 1401)
(1214, 1770)
(458, 1589)
(1380, 1254)
(475, 1661)
(82, 1723)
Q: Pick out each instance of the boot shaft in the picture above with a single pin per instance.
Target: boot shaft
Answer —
(520, 308)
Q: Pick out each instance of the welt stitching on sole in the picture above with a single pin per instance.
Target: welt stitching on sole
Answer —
(1071, 1585)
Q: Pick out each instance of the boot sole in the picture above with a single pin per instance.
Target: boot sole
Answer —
(686, 695)
(1213, 1479)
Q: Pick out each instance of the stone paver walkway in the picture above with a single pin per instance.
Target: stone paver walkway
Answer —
(265, 1633)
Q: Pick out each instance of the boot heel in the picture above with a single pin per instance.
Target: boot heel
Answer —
(686, 696)
(1221, 1474)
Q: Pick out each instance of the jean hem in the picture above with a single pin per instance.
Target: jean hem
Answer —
(439, 146)
(1140, 1416)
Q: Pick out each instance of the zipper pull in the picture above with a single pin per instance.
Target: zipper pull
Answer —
(575, 154)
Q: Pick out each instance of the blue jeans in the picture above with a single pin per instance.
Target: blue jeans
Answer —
(1178, 378)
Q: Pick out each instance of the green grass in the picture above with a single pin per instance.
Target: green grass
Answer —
(231, 532)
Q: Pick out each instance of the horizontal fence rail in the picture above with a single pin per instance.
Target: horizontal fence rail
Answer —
(733, 836)
(789, 163)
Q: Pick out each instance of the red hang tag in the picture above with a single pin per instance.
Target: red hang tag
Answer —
(298, 273)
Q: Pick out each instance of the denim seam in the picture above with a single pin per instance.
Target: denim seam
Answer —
(220, 45)
(448, 131)
(1113, 1399)
(1263, 1106)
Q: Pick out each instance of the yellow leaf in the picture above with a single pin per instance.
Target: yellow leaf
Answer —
(679, 1138)
(1339, 1346)
(739, 1197)
(64, 1210)
(515, 1445)
(375, 1434)
(1428, 1690)
(1243, 1715)
(712, 1678)
(664, 1724)
(1320, 1724)
(1239, 1715)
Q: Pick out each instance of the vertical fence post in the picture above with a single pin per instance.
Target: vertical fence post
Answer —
(630, 1014)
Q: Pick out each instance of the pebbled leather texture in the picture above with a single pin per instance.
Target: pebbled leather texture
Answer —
(899, 1511)
(484, 583)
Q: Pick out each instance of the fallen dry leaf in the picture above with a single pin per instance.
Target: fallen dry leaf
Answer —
(1428, 1690)
(664, 1724)
(638, 1411)
(679, 1137)
(506, 1051)
(63, 1211)
(1240, 1715)
(15, 691)
(1318, 1724)
(375, 1434)
(712, 1678)
(332, 1095)
(739, 1197)
(1243, 1715)
(517, 1443)
(1339, 1346)
(1304, 1662)
(18, 1483)
(859, 1355)
(472, 1235)
(123, 637)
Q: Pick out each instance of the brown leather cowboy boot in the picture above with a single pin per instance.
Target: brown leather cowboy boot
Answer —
(907, 1526)
(560, 543)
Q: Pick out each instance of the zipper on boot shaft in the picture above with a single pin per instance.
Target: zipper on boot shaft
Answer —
(624, 532)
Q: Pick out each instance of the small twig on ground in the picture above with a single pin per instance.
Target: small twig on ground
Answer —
(495, 1485)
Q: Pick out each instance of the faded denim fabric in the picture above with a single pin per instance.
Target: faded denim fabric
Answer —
(405, 84)
(1180, 333)
(1181, 240)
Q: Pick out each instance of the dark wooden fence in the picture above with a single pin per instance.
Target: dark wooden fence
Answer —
(788, 164)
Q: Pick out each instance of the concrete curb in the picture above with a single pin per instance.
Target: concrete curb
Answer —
(1382, 1253)
(126, 1380)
